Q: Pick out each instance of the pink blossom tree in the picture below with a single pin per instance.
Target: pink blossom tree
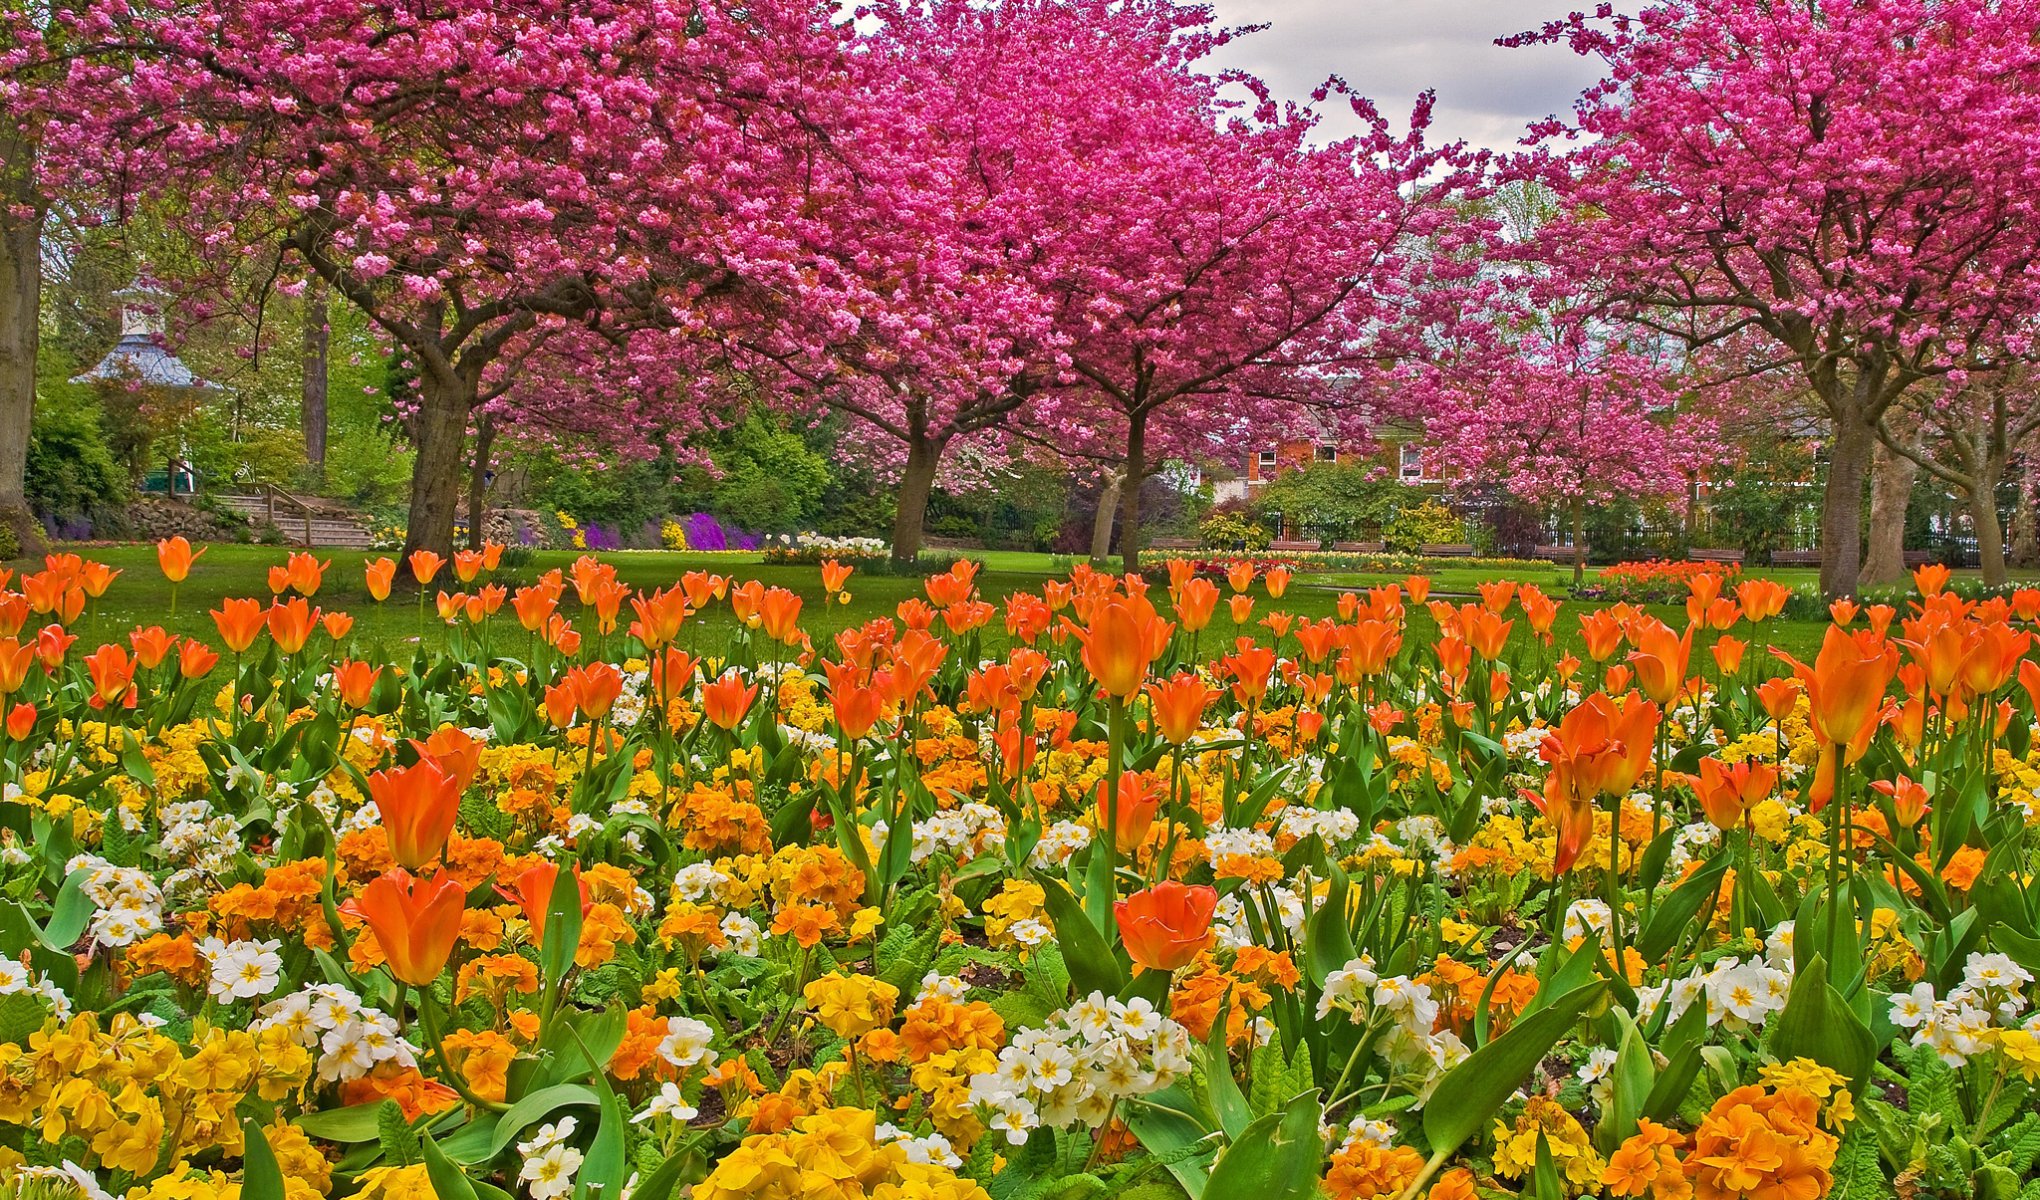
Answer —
(470, 175)
(1230, 268)
(1856, 182)
(1566, 421)
(1965, 434)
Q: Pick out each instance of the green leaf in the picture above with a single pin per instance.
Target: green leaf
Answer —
(1274, 1158)
(1471, 1092)
(1222, 1090)
(355, 1123)
(1164, 1124)
(1674, 915)
(1818, 1024)
(536, 1107)
(399, 1140)
(562, 927)
(606, 1169)
(1093, 966)
(449, 1182)
(1630, 1085)
(261, 1178)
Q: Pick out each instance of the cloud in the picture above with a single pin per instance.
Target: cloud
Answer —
(1391, 51)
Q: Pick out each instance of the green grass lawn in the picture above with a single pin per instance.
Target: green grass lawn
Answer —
(141, 596)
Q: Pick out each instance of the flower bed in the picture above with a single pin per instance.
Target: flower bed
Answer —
(555, 907)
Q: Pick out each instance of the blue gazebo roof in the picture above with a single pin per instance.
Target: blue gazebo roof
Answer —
(140, 357)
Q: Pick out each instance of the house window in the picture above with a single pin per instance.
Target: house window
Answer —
(1412, 461)
(1327, 453)
(1267, 460)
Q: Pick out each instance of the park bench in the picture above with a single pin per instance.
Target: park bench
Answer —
(1359, 547)
(1920, 558)
(1291, 546)
(1795, 558)
(1173, 544)
(1557, 553)
(1448, 550)
(1714, 554)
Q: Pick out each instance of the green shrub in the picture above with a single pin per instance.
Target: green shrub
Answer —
(1415, 526)
(1227, 529)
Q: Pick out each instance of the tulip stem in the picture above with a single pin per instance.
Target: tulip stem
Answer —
(428, 1017)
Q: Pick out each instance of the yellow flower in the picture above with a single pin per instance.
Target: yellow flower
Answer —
(851, 1004)
(2023, 1050)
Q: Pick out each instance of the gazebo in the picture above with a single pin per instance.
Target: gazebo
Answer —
(142, 360)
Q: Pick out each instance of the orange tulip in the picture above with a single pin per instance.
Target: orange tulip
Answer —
(1728, 653)
(1778, 696)
(672, 674)
(1487, 633)
(1908, 799)
(1495, 594)
(1843, 611)
(1242, 608)
(561, 704)
(1119, 643)
(779, 615)
(857, 709)
(424, 565)
(418, 804)
(305, 573)
(175, 556)
(834, 576)
(1179, 705)
(113, 674)
(467, 565)
(727, 700)
(152, 646)
(1600, 748)
(532, 891)
(416, 922)
(195, 659)
(239, 622)
(1418, 586)
(1601, 630)
(534, 607)
(1240, 575)
(1571, 816)
(15, 660)
(1659, 658)
(1166, 926)
(355, 682)
(1762, 599)
(1277, 581)
(1930, 578)
(381, 573)
(1728, 792)
(1195, 599)
(596, 687)
(1140, 797)
(1371, 645)
(291, 623)
(455, 750)
(21, 721)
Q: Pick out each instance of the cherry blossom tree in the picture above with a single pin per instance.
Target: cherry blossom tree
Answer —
(1230, 268)
(1965, 434)
(470, 175)
(1855, 182)
(1568, 420)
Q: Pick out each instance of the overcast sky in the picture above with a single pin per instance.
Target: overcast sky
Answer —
(1390, 50)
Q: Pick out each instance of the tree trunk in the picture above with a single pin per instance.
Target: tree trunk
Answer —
(917, 479)
(1579, 540)
(1841, 518)
(1133, 475)
(313, 360)
(478, 482)
(2025, 528)
(438, 432)
(21, 220)
(1891, 487)
(1101, 525)
(1983, 517)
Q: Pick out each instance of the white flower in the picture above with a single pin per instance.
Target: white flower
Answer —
(551, 1175)
(668, 1103)
(242, 970)
(548, 1135)
(1909, 1009)
(687, 1042)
